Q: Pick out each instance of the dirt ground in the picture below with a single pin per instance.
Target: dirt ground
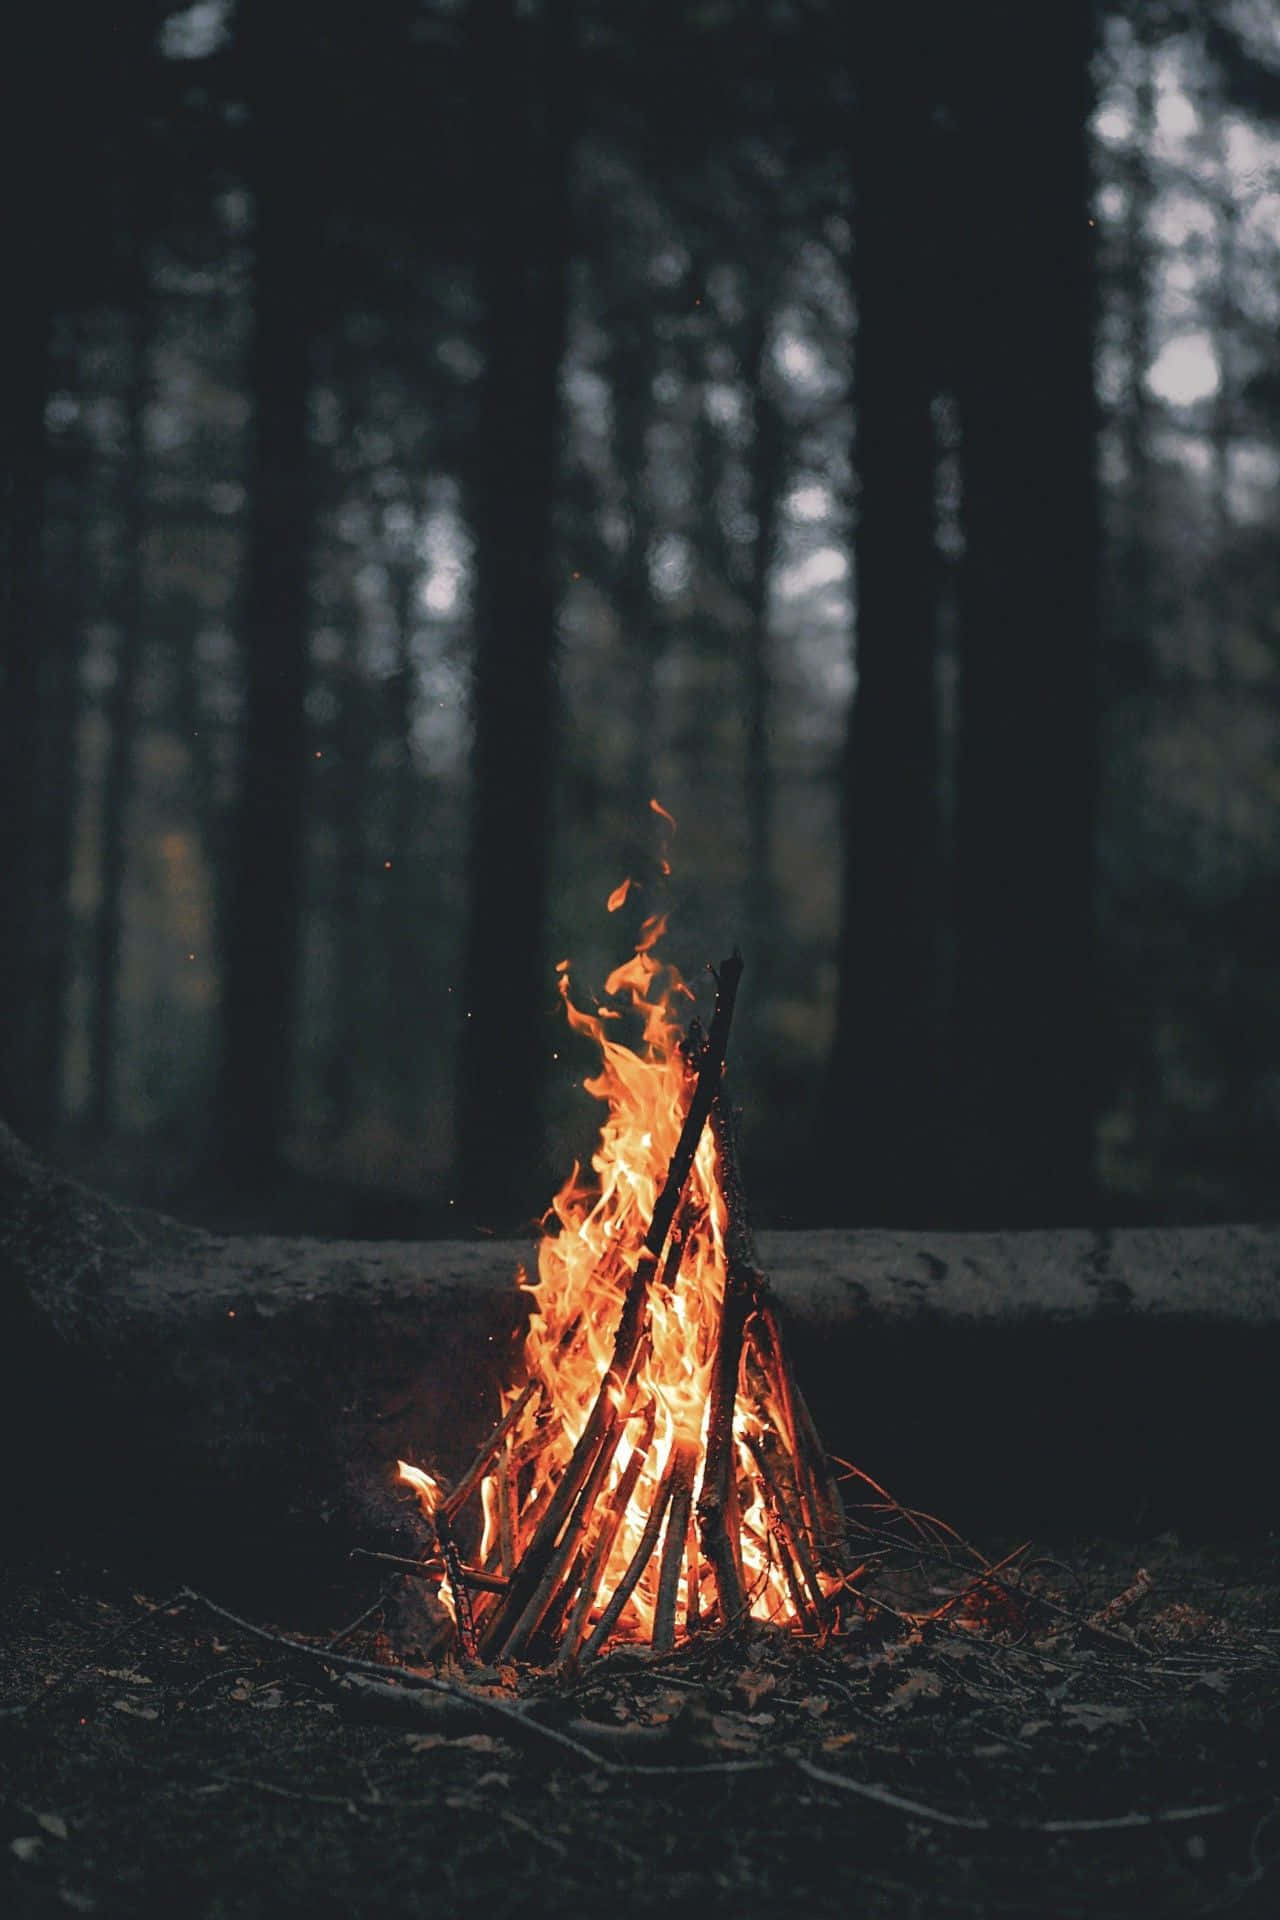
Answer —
(1069, 1737)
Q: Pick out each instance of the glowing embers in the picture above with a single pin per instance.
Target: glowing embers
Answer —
(657, 1471)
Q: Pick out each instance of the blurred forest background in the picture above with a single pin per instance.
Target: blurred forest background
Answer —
(433, 427)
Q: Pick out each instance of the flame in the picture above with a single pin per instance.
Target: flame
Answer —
(431, 1495)
(429, 1491)
(618, 898)
(592, 1237)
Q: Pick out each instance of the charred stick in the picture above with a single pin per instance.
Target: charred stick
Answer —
(693, 1568)
(554, 1590)
(639, 1561)
(717, 1500)
(816, 1485)
(457, 1587)
(557, 1560)
(470, 1576)
(606, 1534)
(685, 1460)
(480, 1465)
(554, 1503)
(504, 1492)
(789, 1530)
(795, 1586)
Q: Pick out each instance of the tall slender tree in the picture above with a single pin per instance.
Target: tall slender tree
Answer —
(122, 708)
(33, 156)
(524, 95)
(1025, 1017)
(881, 1101)
(261, 950)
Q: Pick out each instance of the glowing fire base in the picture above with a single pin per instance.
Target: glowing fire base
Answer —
(658, 1472)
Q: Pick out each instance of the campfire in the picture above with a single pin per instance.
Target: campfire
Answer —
(655, 1472)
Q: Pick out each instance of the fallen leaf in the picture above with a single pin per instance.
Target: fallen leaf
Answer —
(816, 1704)
(27, 1846)
(732, 1730)
(752, 1685)
(424, 1742)
(78, 1902)
(1089, 1714)
(477, 1743)
(53, 1823)
(136, 1713)
(922, 1685)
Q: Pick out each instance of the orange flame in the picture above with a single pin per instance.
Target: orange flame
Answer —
(618, 897)
(593, 1233)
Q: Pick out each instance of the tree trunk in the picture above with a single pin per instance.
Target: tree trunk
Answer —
(261, 958)
(524, 88)
(1026, 1012)
(24, 388)
(632, 366)
(122, 726)
(59, 779)
(879, 1115)
(767, 474)
(402, 887)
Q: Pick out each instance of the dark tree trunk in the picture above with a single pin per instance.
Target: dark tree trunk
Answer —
(122, 724)
(261, 955)
(349, 931)
(767, 473)
(524, 89)
(631, 373)
(881, 1098)
(1023, 1142)
(58, 783)
(1129, 663)
(401, 891)
(24, 388)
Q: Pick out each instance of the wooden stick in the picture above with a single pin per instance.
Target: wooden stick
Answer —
(717, 1499)
(432, 1569)
(504, 1492)
(790, 1532)
(693, 1571)
(815, 1481)
(685, 1459)
(561, 1556)
(602, 1546)
(479, 1466)
(639, 1561)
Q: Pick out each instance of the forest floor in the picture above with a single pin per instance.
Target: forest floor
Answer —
(1077, 1738)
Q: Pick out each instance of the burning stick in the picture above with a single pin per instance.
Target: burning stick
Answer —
(639, 1560)
(471, 1479)
(684, 1460)
(717, 1501)
(602, 1546)
(788, 1530)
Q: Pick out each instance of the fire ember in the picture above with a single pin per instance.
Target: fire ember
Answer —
(656, 1471)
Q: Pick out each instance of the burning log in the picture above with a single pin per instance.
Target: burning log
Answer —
(723, 1432)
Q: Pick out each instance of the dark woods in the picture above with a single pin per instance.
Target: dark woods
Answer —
(432, 428)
